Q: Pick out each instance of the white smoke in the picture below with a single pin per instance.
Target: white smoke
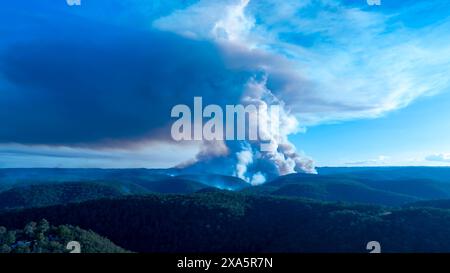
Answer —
(272, 154)
(279, 151)
(245, 159)
(258, 179)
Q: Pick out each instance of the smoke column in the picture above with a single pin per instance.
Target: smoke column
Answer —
(246, 159)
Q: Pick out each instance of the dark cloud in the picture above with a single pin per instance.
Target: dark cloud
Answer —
(93, 84)
(71, 79)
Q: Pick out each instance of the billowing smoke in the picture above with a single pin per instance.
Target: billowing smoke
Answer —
(72, 85)
(244, 158)
(255, 161)
(271, 154)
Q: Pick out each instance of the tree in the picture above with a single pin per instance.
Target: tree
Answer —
(29, 229)
(64, 233)
(10, 237)
(43, 226)
(5, 249)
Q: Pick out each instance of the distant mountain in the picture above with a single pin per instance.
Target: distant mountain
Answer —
(390, 186)
(354, 186)
(56, 193)
(343, 192)
(124, 181)
(12, 176)
(46, 194)
(174, 185)
(25, 176)
(419, 188)
(218, 181)
(439, 204)
(234, 222)
(135, 180)
(329, 188)
(441, 174)
(41, 237)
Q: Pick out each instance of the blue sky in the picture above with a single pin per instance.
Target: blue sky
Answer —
(404, 137)
(93, 85)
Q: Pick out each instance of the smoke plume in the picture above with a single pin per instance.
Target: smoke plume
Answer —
(246, 159)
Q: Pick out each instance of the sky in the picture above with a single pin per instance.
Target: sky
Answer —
(92, 85)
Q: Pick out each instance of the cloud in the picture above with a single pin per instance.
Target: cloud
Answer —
(144, 156)
(104, 78)
(218, 20)
(445, 157)
(328, 61)
(381, 160)
(86, 88)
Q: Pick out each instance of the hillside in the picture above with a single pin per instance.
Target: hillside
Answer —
(379, 186)
(168, 211)
(343, 192)
(439, 204)
(217, 181)
(125, 181)
(46, 194)
(17, 177)
(362, 185)
(52, 194)
(174, 185)
(331, 188)
(441, 174)
(232, 222)
(41, 237)
(419, 188)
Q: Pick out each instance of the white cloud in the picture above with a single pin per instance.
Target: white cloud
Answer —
(144, 155)
(217, 20)
(337, 62)
(445, 157)
(381, 160)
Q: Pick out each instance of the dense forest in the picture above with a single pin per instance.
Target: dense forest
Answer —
(353, 188)
(138, 210)
(52, 194)
(233, 222)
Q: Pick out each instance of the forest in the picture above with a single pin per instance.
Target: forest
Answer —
(332, 212)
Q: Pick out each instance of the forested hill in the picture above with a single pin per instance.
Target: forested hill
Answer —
(233, 222)
(52, 194)
(41, 237)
